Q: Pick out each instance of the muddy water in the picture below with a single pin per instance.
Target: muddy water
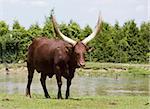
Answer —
(81, 86)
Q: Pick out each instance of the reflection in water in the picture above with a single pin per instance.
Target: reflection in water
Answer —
(81, 86)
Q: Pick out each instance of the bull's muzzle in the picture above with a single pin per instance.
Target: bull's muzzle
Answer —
(81, 64)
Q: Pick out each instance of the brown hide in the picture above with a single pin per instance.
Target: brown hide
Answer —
(44, 53)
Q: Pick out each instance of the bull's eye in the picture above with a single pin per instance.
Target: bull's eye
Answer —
(83, 54)
(77, 55)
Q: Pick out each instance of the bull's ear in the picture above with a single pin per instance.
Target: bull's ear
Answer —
(90, 49)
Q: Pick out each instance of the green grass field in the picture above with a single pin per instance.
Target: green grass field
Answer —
(16, 101)
(98, 69)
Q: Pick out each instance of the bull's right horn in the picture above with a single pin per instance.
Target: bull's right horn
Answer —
(95, 32)
(67, 39)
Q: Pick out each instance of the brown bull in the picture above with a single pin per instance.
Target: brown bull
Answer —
(57, 57)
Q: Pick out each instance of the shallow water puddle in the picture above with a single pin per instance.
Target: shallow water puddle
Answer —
(81, 86)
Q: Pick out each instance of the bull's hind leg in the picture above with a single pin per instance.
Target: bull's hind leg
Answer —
(43, 82)
(30, 76)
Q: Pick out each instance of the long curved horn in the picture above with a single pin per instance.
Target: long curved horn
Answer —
(67, 39)
(95, 32)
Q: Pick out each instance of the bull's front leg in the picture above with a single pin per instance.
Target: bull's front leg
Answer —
(68, 88)
(69, 79)
(59, 83)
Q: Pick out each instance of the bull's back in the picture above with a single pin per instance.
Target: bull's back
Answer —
(42, 53)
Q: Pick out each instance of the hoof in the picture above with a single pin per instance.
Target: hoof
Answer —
(60, 98)
(28, 94)
(66, 97)
(47, 96)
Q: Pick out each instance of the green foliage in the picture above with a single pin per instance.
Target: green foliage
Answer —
(48, 30)
(23, 39)
(8, 48)
(71, 30)
(3, 28)
(75, 30)
(122, 44)
(119, 44)
(144, 41)
(86, 32)
(35, 31)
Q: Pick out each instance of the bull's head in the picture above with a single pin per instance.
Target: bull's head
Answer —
(80, 47)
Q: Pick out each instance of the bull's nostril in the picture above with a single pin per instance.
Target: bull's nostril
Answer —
(82, 64)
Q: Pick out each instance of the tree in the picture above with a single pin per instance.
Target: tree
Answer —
(86, 32)
(22, 39)
(75, 30)
(144, 41)
(9, 48)
(64, 28)
(102, 49)
(131, 31)
(48, 30)
(35, 31)
(4, 28)
(120, 53)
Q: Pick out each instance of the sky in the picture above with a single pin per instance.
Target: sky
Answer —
(83, 12)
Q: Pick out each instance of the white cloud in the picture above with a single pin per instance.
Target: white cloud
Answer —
(1, 9)
(40, 3)
(108, 1)
(149, 10)
(92, 9)
(10, 1)
(103, 2)
(140, 8)
(14, 1)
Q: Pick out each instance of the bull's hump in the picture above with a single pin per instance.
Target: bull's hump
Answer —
(60, 53)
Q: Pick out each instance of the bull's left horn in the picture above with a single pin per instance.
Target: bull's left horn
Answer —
(67, 39)
(95, 32)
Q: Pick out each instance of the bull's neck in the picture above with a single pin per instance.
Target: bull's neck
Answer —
(73, 61)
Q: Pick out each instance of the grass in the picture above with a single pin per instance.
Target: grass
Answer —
(106, 67)
(17, 101)
(98, 69)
